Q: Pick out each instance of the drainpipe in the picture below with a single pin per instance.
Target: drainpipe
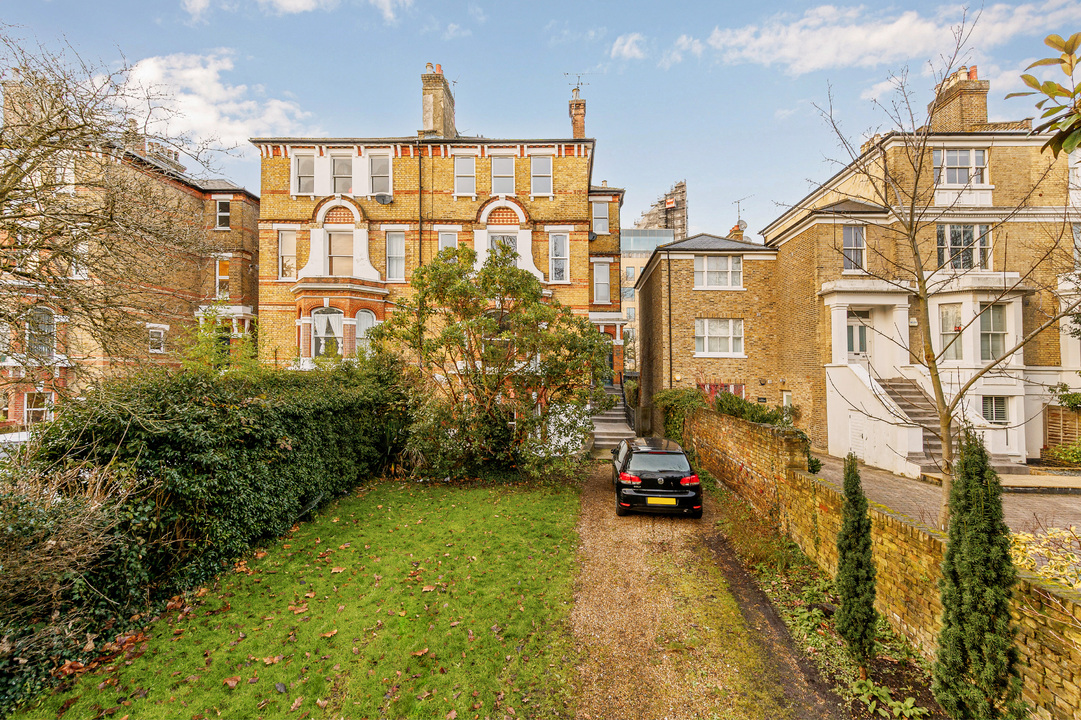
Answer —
(420, 246)
(668, 263)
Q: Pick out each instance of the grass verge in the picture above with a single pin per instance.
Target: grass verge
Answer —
(402, 600)
(898, 684)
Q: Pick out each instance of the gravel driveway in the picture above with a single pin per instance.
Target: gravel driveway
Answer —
(668, 625)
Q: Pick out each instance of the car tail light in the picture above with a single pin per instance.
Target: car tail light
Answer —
(689, 480)
(630, 479)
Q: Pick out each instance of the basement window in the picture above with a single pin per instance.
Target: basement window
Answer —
(994, 409)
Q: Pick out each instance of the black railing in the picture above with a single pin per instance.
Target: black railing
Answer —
(628, 411)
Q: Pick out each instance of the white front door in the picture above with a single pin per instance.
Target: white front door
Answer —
(859, 331)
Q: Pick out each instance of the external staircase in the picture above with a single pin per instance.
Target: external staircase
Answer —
(920, 410)
(610, 427)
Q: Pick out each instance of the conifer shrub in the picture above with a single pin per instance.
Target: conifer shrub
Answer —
(856, 618)
(975, 675)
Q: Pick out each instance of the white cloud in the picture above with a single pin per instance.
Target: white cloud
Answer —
(195, 8)
(628, 47)
(455, 30)
(389, 8)
(562, 32)
(477, 13)
(880, 89)
(291, 7)
(205, 105)
(684, 43)
(828, 36)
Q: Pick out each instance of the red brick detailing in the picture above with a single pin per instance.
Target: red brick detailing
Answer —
(339, 216)
(503, 216)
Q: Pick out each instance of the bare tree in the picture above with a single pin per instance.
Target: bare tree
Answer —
(98, 234)
(905, 189)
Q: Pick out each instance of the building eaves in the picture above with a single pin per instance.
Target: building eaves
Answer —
(705, 241)
(412, 140)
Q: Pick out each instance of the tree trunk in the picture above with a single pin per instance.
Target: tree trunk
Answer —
(946, 428)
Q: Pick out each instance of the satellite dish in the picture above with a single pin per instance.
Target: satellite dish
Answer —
(742, 224)
(384, 198)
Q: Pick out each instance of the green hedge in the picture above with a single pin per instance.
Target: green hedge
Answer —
(219, 462)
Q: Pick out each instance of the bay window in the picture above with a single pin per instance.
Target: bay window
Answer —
(340, 254)
(992, 331)
(41, 332)
(327, 332)
(949, 316)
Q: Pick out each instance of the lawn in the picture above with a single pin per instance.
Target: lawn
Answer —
(402, 600)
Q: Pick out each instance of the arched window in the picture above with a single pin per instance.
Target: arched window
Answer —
(365, 322)
(40, 332)
(327, 332)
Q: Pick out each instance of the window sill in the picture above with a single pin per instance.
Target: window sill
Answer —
(287, 279)
(550, 196)
(737, 356)
(222, 228)
(956, 186)
(465, 195)
(721, 288)
(857, 272)
(396, 282)
(558, 282)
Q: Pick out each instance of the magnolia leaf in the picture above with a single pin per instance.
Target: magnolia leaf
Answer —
(1071, 142)
(332, 633)
(337, 570)
(1072, 44)
(419, 653)
(322, 703)
(428, 588)
(1055, 42)
(231, 681)
(1045, 61)
(310, 595)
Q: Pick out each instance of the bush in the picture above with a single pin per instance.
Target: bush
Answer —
(856, 618)
(213, 463)
(630, 391)
(781, 416)
(677, 405)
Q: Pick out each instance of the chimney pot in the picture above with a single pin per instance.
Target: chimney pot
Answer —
(972, 73)
(428, 68)
(438, 69)
(604, 183)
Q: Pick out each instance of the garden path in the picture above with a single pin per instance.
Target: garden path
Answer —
(668, 625)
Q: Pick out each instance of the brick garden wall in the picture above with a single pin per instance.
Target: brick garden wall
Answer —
(766, 466)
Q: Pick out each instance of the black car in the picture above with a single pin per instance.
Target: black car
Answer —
(654, 475)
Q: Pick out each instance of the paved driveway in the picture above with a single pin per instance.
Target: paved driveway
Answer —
(1025, 512)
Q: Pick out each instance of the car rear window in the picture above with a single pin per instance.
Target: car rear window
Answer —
(658, 462)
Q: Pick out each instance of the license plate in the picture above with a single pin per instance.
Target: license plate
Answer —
(660, 501)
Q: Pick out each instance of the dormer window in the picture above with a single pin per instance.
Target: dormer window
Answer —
(960, 167)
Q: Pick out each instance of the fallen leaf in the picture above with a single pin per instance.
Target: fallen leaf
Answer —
(418, 653)
(280, 687)
(332, 633)
(455, 623)
(231, 681)
(428, 588)
(321, 703)
(296, 703)
(252, 681)
(310, 595)
(272, 660)
(452, 714)
(260, 554)
(337, 570)
(341, 607)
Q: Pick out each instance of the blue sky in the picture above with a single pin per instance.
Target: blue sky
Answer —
(719, 94)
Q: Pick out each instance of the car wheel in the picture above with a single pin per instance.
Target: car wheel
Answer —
(620, 510)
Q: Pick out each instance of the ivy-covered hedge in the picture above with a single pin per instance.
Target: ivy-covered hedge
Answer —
(214, 464)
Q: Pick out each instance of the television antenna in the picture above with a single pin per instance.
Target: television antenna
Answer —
(739, 217)
(577, 84)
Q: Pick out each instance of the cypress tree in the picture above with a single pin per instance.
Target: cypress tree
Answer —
(975, 675)
(856, 618)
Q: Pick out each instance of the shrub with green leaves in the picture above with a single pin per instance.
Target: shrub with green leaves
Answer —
(976, 673)
(678, 404)
(856, 618)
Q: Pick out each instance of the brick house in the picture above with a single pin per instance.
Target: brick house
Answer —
(706, 315)
(45, 349)
(344, 222)
(998, 219)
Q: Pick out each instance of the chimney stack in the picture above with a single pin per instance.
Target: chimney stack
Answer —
(960, 102)
(578, 115)
(438, 104)
(736, 233)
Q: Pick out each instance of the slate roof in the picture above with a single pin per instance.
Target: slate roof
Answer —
(705, 241)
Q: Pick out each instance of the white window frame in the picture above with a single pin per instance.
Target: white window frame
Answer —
(629, 314)
(465, 168)
(339, 338)
(282, 255)
(952, 347)
(218, 277)
(786, 398)
(362, 339)
(729, 277)
(990, 331)
(504, 177)
(395, 236)
(534, 175)
(948, 166)
(996, 409)
(600, 218)
(48, 331)
(951, 256)
(630, 272)
(156, 332)
(731, 331)
(372, 157)
(331, 257)
(219, 216)
(46, 410)
(602, 271)
(447, 239)
(348, 177)
(854, 248)
(297, 177)
(555, 259)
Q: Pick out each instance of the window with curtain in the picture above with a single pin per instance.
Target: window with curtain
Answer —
(558, 258)
(327, 332)
(396, 255)
(365, 322)
(340, 254)
(41, 332)
(287, 254)
(950, 331)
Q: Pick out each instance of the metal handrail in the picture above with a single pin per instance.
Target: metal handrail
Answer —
(628, 411)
